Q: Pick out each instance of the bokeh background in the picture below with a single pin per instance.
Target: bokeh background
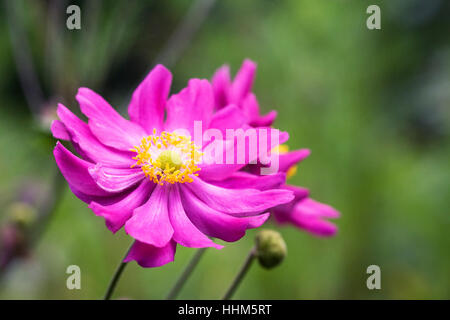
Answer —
(373, 106)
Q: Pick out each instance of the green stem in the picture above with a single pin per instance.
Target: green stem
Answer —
(116, 276)
(185, 275)
(244, 269)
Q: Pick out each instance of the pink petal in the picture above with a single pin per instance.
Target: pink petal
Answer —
(230, 117)
(265, 120)
(309, 215)
(315, 226)
(287, 160)
(149, 99)
(75, 170)
(242, 180)
(148, 256)
(221, 85)
(102, 200)
(310, 207)
(242, 83)
(238, 201)
(59, 130)
(185, 233)
(108, 125)
(193, 103)
(116, 214)
(215, 223)
(300, 193)
(283, 212)
(115, 179)
(90, 146)
(150, 223)
(220, 171)
(251, 109)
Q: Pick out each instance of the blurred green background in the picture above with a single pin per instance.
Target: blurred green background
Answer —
(373, 106)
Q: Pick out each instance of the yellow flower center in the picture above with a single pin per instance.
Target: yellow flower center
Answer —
(168, 157)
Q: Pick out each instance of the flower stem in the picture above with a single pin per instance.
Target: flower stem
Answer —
(116, 276)
(185, 275)
(245, 267)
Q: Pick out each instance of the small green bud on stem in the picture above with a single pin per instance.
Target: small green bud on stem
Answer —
(270, 248)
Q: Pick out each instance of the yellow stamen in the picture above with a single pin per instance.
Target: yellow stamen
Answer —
(168, 157)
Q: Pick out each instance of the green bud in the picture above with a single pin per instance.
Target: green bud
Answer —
(270, 248)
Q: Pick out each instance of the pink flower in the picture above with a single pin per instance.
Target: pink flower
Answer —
(309, 215)
(145, 176)
(303, 212)
(239, 92)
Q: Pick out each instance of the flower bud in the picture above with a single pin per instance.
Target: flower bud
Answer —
(270, 248)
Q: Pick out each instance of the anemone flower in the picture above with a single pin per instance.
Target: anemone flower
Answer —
(144, 175)
(303, 212)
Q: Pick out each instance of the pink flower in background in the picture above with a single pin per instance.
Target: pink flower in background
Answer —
(239, 92)
(143, 175)
(303, 212)
(309, 215)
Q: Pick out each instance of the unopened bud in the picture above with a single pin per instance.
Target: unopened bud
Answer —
(270, 248)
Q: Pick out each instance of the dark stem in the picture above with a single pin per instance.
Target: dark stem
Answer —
(185, 275)
(244, 269)
(116, 277)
